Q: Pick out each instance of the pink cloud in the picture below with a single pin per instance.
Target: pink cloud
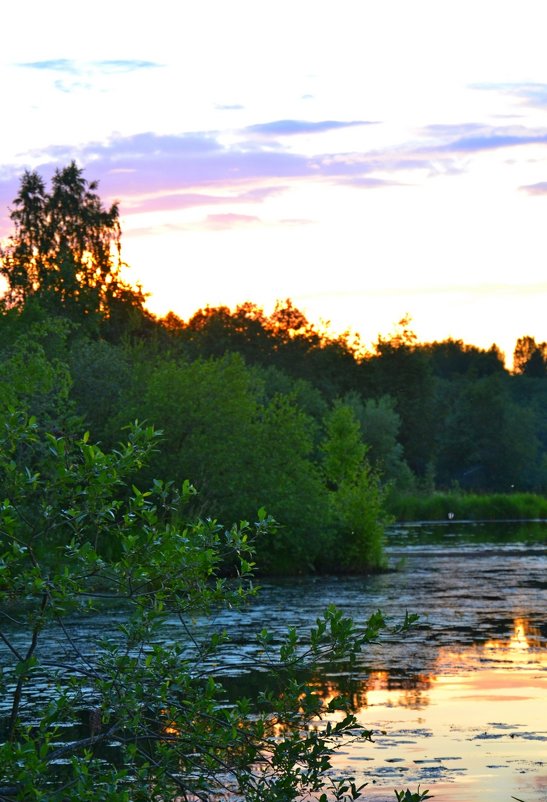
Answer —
(229, 220)
(153, 172)
(535, 189)
(189, 200)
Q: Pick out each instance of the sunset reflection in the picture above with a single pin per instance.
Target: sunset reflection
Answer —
(473, 718)
(525, 638)
(380, 688)
(393, 690)
(456, 670)
(525, 647)
(476, 720)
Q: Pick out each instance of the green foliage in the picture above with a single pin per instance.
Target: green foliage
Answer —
(243, 449)
(401, 369)
(343, 450)
(65, 252)
(103, 375)
(468, 506)
(488, 443)
(419, 404)
(32, 380)
(77, 532)
(360, 509)
(206, 409)
(305, 395)
(290, 483)
(285, 340)
(356, 492)
(242, 396)
(26, 375)
(380, 425)
(409, 796)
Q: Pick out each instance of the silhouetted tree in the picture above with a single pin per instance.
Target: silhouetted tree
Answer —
(285, 339)
(215, 331)
(530, 358)
(453, 358)
(65, 251)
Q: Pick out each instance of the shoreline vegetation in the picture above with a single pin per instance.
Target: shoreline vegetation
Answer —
(459, 507)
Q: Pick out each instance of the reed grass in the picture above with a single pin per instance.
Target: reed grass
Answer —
(441, 506)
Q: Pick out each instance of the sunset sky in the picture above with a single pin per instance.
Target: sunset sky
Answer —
(368, 159)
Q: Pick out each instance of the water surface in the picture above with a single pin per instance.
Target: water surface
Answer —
(459, 704)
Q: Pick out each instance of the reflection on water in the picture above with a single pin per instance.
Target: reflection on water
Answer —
(473, 728)
(480, 535)
(524, 650)
(525, 642)
(381, 689)
(460, 704)
(378, 688)
(463, 704)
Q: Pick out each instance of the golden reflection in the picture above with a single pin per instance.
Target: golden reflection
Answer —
(525, 638)
(169, 727)
(480, 672)
(379, 688)
(454, 670)
(524, 647)
(395, 691)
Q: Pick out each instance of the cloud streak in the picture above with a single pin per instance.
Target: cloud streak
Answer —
(474, 138)
(148, 164)
(229, 220)
(295, 127)
(166, 172)
(191, 200)
(106, 66)
(535, 189)
(530, 93)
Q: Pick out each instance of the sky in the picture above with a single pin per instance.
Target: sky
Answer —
(369, 159)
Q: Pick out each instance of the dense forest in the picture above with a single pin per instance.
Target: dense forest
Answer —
(255, 409)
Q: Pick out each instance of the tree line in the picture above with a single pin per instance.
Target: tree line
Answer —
(256, 409)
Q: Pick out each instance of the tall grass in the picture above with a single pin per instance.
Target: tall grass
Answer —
(439, 506)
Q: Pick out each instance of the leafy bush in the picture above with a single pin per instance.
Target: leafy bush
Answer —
(356, 494)
(74, 533)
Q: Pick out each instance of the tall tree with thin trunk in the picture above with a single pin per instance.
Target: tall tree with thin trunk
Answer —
(65, 249)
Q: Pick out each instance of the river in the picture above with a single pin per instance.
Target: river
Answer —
(459, 704)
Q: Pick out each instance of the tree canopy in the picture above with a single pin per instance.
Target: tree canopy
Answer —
(65, 250)
(423, 408)
(530, 358)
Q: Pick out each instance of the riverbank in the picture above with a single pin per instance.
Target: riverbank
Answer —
(443, 506)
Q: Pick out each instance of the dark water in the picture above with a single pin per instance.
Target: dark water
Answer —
(460, 703)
